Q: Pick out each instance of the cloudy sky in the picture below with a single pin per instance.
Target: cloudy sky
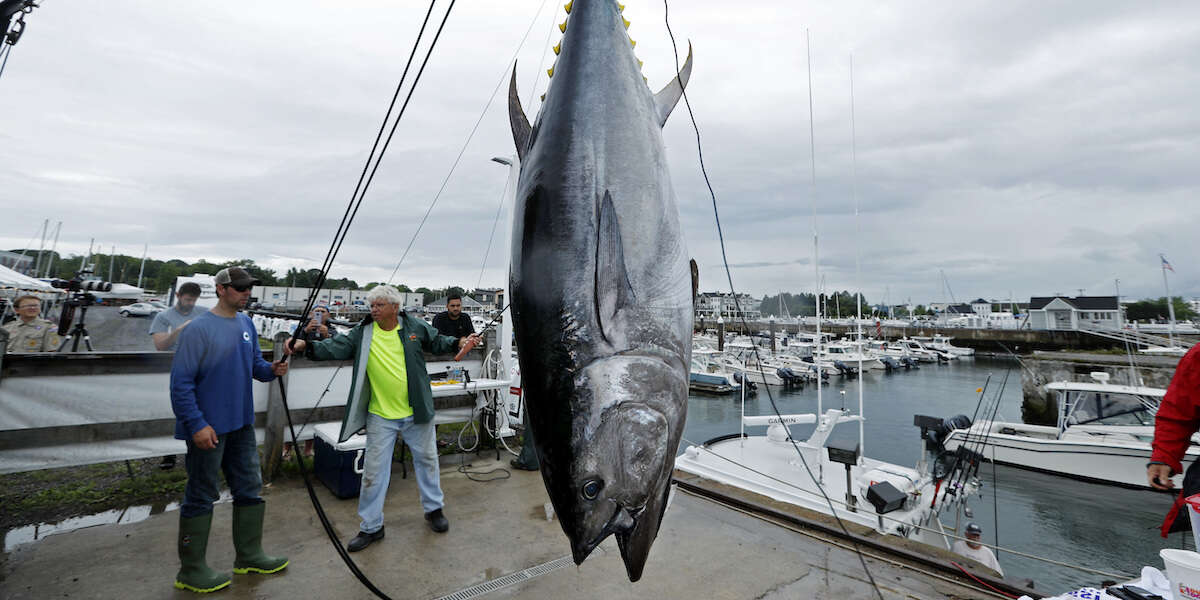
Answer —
(1021, 148)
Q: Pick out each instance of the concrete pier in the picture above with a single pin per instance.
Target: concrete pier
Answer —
(498, 531)
(1041, 407)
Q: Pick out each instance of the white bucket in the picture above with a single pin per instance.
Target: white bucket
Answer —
(1183, 569)
(1193, 507)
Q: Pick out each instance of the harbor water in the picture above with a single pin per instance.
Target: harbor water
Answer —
(1101, 527)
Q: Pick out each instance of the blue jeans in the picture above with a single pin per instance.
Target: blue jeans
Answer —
(236, 454)
(377, 466)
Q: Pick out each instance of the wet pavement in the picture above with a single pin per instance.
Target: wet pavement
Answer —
(498, 531)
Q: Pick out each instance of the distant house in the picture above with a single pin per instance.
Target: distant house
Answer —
(714, 305)
(490, 298)
(470, 306)
(16, 262)
(1061, 313)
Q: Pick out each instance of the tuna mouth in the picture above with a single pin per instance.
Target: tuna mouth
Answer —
(622, 521)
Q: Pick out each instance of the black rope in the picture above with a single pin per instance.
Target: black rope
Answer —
(6, 51)
(503, 77)
(343, 228)
(742, 316)
(355, 198)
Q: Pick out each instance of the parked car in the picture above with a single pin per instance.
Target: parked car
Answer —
(140, 309)
(158, 304)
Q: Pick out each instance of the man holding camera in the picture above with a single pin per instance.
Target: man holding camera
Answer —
(28, 332)
(213, 401)
(168, 324)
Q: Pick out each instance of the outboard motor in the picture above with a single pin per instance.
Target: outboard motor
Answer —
(909, 362)
(935, 431)
(844, 369)
(789, 377)
(941, 357)
(889, 363)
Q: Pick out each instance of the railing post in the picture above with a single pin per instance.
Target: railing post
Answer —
(273, 436)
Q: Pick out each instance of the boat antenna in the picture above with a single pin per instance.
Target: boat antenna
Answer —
(857, 266)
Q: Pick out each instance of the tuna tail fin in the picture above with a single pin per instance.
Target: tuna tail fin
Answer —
(613, 290)
(668, 97)
(516, 117)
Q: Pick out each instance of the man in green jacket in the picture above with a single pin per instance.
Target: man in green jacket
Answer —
(389, 395)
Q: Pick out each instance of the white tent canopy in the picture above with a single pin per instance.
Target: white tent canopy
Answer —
(13, 279)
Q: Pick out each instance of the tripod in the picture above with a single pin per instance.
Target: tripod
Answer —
(78, 332)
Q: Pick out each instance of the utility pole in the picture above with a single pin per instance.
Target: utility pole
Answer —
(112, 255)
(84, 259)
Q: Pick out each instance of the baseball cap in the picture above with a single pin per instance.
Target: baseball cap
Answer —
(973, 528)
(235, 276)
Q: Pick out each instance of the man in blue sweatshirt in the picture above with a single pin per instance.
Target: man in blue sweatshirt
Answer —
(211, 394)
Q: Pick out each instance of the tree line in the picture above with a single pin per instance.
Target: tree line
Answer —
(159, 275)
(804, 305)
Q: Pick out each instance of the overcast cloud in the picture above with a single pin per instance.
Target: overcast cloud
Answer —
(1022, 148)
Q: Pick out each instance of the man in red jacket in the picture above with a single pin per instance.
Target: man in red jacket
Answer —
(1177, 419)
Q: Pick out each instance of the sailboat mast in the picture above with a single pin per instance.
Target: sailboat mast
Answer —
(812, 147)
(857, 265)
(1170, 305)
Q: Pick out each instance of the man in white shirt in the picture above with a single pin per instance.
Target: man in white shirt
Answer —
(972, 549)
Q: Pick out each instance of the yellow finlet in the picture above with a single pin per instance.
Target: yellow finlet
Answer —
(640, 63)
(632, 44)
(623, 19)
(645, 80)
(550, 71)
(557, 48)
(568, 6)
(563, 26)
(543, 97)
(620, 7)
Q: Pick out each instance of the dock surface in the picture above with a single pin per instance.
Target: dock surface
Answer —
(498, 534)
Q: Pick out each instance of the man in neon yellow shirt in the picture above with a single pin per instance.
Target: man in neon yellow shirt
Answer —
(389, 395)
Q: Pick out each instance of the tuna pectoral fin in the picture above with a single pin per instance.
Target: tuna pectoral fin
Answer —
(613, 290)
(517, 119)
(668, 97)
(635, 542)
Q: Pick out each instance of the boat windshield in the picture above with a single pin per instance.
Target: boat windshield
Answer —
(1101, 408)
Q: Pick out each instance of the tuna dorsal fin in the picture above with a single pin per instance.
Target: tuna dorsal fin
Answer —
(613, 290)
(667, 97)
(695, 280)
(516, 117)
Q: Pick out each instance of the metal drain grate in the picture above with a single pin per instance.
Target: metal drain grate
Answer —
(488, 587)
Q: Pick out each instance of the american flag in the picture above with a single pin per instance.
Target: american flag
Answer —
(1166, 265)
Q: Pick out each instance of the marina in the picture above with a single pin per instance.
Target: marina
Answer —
(611, 357)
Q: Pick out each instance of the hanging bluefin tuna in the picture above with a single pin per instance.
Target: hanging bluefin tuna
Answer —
(601, 288)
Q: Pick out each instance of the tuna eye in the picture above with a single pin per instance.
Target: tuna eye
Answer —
(591, 488)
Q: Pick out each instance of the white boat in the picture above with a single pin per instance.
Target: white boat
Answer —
(1103, 434)
(918, 351)
(770, 465)
(942, 344)
(850, 354)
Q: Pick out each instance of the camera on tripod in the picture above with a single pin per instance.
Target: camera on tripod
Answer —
(80, 297)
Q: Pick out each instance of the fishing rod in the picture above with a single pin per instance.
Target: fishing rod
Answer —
(471, 343)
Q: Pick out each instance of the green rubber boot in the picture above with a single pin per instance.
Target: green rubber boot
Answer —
(247, 540)
(194, 574)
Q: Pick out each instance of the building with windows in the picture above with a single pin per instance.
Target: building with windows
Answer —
(283, 298)
(16, 262)
(710, 305)
(490, 298)
(1061, 313)
(470, 306)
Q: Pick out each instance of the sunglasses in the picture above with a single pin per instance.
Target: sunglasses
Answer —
(241, 287)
